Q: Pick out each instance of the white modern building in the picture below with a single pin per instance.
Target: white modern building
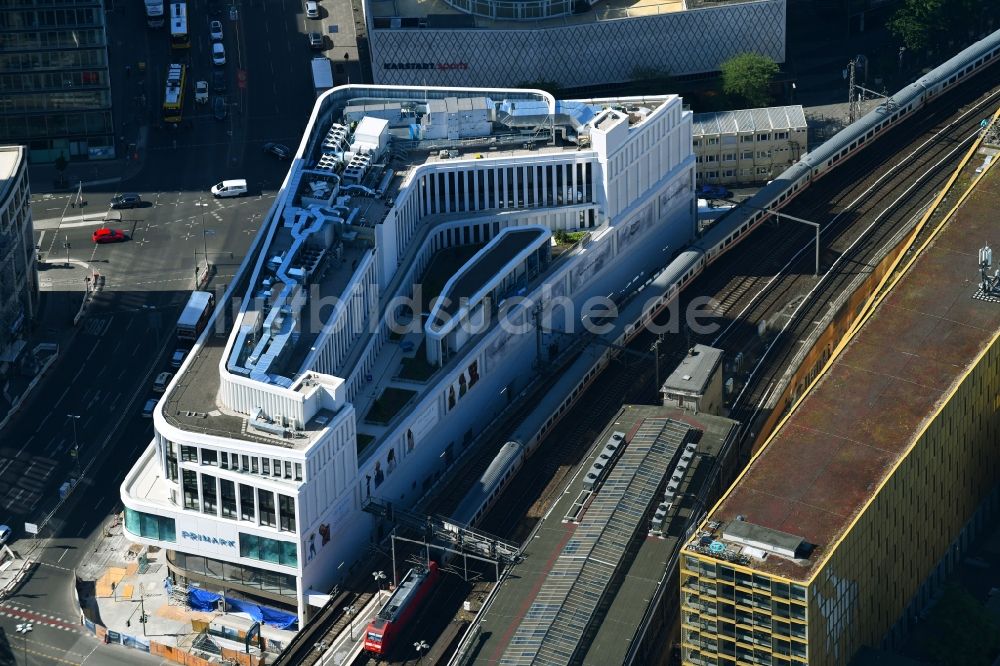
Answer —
(18, 272)
(566, 43)
(335, 377)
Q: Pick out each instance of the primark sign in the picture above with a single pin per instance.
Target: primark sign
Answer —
(204, 538)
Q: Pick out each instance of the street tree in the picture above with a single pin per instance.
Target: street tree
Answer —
(748, 76)
(918, 22)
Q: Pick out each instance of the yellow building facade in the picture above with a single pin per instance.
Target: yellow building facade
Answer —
(841, 527)
(911, 533)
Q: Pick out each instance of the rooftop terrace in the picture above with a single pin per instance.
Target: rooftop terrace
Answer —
(833, 453)
(487, 264)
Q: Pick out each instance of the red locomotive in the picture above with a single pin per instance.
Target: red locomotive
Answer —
(404, 602)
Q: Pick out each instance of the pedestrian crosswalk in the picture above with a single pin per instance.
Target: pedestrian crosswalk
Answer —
(16, 612)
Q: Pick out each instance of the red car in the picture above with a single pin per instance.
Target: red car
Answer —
(105, 235)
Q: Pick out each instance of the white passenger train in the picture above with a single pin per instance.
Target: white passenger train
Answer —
(657, 293)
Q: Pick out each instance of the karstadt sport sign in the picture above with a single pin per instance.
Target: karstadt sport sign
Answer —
(441, 66)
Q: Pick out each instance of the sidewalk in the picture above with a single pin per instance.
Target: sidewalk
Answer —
(121, 581)
(64, 294)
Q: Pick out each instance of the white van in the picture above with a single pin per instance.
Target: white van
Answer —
(230, 188)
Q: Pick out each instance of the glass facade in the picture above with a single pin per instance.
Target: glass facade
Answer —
(269, 581)
(150, 526)
(268, 550)
(55, 78)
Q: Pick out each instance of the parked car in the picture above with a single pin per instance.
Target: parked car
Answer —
(161, 382)
(4, 534)
(316, 40)
(178, 358)
(218, 54)
(219, 81)
(219, 107)
(230, 188)
(312, 9)
(215, 27)
(128, 200)
(714, 192)
(147, 409)
(105, 235)
(279, 150)
(201, 92)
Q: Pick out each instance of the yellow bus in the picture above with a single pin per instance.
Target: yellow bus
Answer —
(173, 96)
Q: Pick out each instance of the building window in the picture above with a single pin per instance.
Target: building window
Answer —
(763, 137)
(762, 171)
(713, 140)
(265, 466)
(277, 467)
(729, 157)
(208, 494)
(190, 488)
(747, 154)
(298, 471)
(171, 461)
(696, 143)
(209, 457)
(265, 500)
(288, 469)
(189, 453)
(150, 526)
(246, 502)
(228, 493)
(246, 463)
(709, 158)
(224, 460)
(746, 138)
(268, 550)
(286, 513)
(778, 136)
(763, 154)
(253, 465)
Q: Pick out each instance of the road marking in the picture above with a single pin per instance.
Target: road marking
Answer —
(40, 618)
(49, 564)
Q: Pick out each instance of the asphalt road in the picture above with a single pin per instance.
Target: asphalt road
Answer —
(105, 370)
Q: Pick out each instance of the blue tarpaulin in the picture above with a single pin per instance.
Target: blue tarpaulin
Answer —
(203, 600)
(269, 616)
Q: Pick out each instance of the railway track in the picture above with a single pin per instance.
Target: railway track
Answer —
(857, 238)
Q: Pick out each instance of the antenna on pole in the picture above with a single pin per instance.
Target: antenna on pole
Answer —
(989, 285)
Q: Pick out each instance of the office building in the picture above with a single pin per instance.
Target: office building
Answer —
(57, 88)
(861, 502)
(341, 379)
(565, 43)
(18, 273)
(748, 146)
